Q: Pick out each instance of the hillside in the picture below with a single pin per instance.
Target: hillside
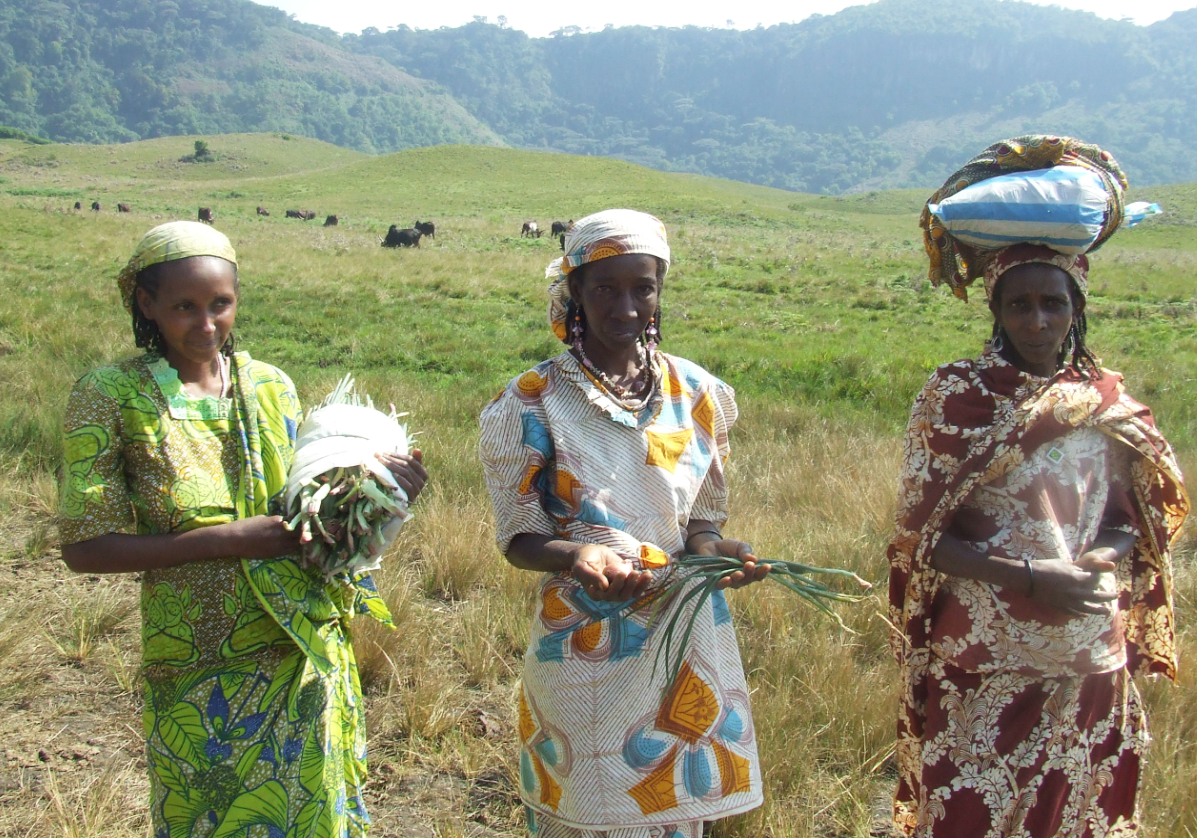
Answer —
(892, 94)
(119, 70)
(889, 95)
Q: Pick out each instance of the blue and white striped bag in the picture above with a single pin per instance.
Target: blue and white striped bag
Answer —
(1063, 208)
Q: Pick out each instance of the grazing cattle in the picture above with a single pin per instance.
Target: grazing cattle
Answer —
(331, 221)
(305, 215)
(123, 208)
(95, 206)
(78, 205)
(206, 215)
(263, 211)
(409, 237)
(426, 228)
(530, 230)
(559, 227)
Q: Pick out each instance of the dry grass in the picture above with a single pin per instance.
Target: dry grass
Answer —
(98, 804)
(439, 687)
(87, 614)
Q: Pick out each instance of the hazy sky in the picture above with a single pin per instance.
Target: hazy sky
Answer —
(540, 17)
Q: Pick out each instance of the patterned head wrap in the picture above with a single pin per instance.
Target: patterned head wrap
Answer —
(958, 264)
(168, 242)
(611, 232)
(1003, 260)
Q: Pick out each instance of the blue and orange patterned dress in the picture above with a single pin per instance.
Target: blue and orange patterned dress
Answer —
(608, 746)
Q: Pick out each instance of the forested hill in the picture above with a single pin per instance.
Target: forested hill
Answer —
(113, 70)
(885, 95)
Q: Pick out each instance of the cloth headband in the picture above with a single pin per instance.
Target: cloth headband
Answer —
(1003, 260)
(168, 242)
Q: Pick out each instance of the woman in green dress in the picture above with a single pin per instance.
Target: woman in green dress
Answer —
(176, 462)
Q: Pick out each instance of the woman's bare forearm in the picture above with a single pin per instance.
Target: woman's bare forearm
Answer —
(529, 551)
(121, 553)
(955, 558)
(258, 537)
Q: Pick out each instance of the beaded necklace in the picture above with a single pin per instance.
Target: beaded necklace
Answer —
(632, 397)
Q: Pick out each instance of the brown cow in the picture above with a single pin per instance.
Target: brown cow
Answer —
(123, 208)
(305, 215)
(331, 221)
(206, 215)
(263, 211)
(426, 228)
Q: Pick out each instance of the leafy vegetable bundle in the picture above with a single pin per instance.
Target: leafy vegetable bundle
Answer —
(347, 504)
(709, 570)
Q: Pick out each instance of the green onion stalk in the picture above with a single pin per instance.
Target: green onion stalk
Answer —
(708, 571)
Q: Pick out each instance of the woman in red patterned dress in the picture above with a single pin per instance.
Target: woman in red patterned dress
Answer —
(1030, 574)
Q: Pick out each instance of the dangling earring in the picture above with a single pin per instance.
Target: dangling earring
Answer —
(1069, 343)
(652, 335)
(576, 328)
(997, 343)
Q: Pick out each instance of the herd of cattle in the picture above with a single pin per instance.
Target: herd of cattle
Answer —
(395, 237)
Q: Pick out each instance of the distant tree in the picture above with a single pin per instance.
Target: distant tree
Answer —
(202, 153)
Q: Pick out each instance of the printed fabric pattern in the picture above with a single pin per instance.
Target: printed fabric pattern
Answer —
(605, 746)
(993, 454)
(253, 715)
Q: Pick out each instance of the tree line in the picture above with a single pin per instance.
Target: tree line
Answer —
(887, 95)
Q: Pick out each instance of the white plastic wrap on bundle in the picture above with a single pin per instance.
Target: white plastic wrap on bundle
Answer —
(343, 436)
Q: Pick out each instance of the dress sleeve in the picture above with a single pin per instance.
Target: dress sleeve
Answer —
(517, 455)
(94, 497)
(710, 504)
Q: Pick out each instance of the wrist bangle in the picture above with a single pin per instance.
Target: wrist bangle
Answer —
(718, 535)
(1030, 576)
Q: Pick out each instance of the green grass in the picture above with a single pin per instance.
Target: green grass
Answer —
(816, 309)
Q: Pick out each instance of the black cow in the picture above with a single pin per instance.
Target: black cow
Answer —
(559, 227)
(78, 205)
(426, 228)
(409, 237)
(123, 208)
(206, 215)
(95, 206)
(263, 211)
(304, 215)
(331, 221)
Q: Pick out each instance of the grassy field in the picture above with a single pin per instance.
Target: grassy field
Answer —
(815, 308)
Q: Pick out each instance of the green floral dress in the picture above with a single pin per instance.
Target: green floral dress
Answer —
(253, 712)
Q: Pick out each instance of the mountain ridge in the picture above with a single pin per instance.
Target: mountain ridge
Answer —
(889, 95)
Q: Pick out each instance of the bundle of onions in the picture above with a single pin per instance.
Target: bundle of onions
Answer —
(347, 504)
(697, 577)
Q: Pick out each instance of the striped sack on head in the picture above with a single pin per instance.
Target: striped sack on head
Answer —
(1064, 208)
